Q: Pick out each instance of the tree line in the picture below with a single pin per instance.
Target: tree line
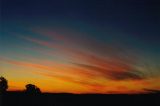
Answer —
(30, 88)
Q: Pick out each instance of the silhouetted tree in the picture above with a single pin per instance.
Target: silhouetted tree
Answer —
(32, 89)
(3, 85)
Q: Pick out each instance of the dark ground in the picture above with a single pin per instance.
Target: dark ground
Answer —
(22, 99)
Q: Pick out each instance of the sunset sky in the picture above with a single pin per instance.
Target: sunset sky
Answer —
(81, 46)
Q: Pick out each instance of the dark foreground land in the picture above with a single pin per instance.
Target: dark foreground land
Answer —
(22, 99)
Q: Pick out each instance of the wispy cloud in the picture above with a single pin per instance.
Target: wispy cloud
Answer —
(129, 74)
(87, 54)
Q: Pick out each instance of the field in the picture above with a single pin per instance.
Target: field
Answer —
(47, 99)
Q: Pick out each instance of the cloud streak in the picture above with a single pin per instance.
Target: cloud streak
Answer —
(113, 74)
(114, 65)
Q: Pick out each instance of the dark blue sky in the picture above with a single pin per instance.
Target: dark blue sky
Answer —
(140, 17)
(130, 18)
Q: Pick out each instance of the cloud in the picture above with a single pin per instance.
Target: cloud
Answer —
(117, 64)
(113, 74)
(152, 91)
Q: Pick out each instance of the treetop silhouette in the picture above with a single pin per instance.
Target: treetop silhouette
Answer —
(32, 89)
(3, 85)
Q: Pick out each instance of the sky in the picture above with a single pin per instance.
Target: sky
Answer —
(81, 46)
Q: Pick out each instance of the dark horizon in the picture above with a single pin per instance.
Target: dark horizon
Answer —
(10, 99)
